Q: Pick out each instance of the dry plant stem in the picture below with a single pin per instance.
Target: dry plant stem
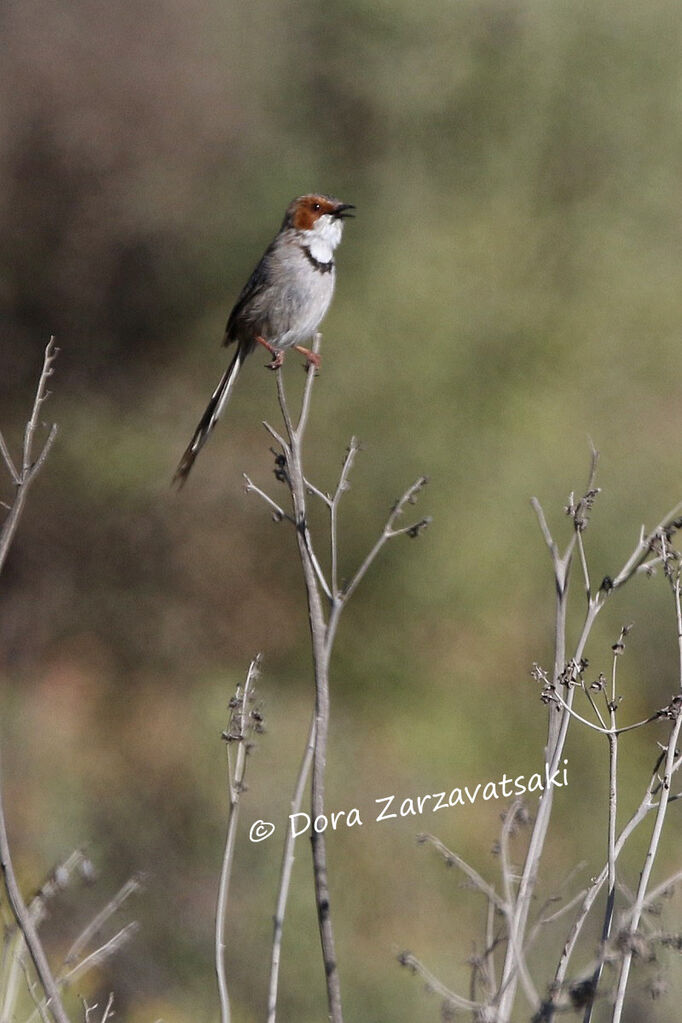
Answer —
(108, 1010)
(235, 789)
(131, 886)
(611, 854)
(102, 953)
(558, 727)
(490, 948)
(35, 997)
(669, 766)
(454, 859)
(529, 987)
(38, 910)
(288, 856)
(321, 652)
(10, 982)
(644, 808)
(433, 984)
(559, 700)
(326, 600)
(96, 958)
(14, 951)
(22, 478)
(504, 905)
(559, 722)
(26, 925)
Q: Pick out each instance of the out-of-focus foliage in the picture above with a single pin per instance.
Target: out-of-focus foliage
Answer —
(511, 287)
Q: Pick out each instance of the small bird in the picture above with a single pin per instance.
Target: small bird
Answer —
(282, 303)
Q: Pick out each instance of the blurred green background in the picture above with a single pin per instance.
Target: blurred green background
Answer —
(510, 290)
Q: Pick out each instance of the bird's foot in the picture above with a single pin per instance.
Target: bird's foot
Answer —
(277, 360)
(277, 356)
(312, 358)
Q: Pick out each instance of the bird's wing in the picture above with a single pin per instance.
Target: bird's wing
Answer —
(256, 283)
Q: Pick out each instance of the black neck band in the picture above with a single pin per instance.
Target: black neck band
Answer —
(323, 268)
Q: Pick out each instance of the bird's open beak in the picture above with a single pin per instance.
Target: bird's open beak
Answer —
(342, 209)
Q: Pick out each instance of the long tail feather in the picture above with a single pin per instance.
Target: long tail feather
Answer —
(214, 410)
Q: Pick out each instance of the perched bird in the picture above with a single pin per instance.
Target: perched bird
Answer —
(282, 303)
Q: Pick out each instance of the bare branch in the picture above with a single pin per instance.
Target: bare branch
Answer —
(276, 436)
(102, 953)
(644, 547)
(240, 724)
(11, 468)
(133, 885)
(312, 489)
(640, 899)
(433, 984)
(42, 394)
(278, 512)
(662, 889)
(285, 873)
(35, 997)
(413, 530)
(341, 488)
(323, 620)
(453, 859)
(308, 389)
(29, 471)
(26, 925)
(507, 826)
(108, 1009)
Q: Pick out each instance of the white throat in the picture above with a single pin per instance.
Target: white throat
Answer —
(323, 238)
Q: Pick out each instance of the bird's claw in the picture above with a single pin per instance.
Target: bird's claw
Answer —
(277, 360)
(312, 358)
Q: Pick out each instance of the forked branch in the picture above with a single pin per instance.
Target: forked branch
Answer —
(326, 599)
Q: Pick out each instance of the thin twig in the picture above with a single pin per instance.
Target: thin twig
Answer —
(133, 885)
(341, 488)
(308, 389)
(611, 843)
(389, 532)
(507, 826)
(454, 859)
(116, 942)
(288, 855)
(278, 513)
(638, 557)
(35, 997)
(490, 944)
(26, 925)
(11, 468)
(108, 1008)
(29, 470)
(237, 731)
(669, 765)
(15, 964)
(433, 984)
(656, 893)
(275, 435)
(559, 913)
(614, 731)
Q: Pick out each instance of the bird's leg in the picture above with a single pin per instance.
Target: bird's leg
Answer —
(277, 357)
(312, 358)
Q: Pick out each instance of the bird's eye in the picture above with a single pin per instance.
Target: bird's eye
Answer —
(316, 207)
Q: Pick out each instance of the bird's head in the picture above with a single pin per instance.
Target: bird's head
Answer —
(318, 217)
